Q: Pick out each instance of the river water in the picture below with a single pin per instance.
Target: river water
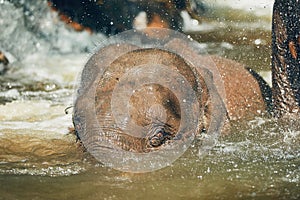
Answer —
(39, 159)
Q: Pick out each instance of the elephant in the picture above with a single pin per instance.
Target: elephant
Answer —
(151, 104)
(285, 57)
(114, 16)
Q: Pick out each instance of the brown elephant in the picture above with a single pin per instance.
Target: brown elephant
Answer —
(223, 88)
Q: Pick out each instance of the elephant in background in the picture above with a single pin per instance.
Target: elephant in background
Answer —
(286, 57)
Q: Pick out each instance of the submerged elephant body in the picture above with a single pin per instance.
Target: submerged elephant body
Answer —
(138, 103)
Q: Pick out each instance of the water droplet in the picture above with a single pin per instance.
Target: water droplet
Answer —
(257, 41)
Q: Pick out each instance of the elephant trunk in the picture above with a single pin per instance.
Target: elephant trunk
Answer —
(285, 57)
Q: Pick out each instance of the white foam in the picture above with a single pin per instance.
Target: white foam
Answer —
(41, 116)
(258, 7)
